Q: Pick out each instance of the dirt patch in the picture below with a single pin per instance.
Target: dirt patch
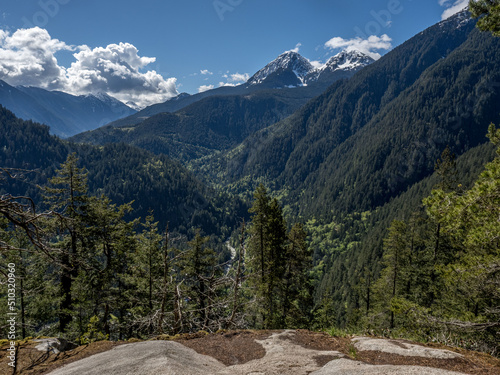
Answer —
(230, 348)
(320, 341)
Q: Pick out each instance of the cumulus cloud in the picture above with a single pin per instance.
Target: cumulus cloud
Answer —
(453, 6)
(204, 88)
(27, 57)
(368, 46)
(116, 69)
(237, 77)
(206, 72)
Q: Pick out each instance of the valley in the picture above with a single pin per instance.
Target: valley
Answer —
(359, 196)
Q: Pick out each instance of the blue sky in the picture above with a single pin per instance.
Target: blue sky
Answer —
(146, 51)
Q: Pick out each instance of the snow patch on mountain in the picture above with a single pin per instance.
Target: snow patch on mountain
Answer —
(346, 62)
(290, 60)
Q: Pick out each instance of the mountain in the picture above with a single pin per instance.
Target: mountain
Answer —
(366, 140)
(121, 172)
(289, 65)
(290, 71)
(212, 124)
(342, 65)
(65, 114)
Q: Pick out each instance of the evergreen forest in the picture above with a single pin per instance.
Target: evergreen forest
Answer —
(372, 208)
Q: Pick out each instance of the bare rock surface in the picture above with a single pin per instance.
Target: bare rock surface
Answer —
(283, 354)
(349, 367)
(145, 358)
(401, 347)
(282, 357)
(55, 345)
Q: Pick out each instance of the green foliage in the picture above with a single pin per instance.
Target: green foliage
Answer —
(441, 272)
(279, 264)
(488, 12)
(122, 173)
(93, 334)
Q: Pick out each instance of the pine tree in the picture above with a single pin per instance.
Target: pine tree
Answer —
(471, 220)
(67, 196)
(199, 270)
(488, 12)
(297, 287)
(146, 275)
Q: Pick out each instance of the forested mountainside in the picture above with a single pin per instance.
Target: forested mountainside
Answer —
(122, 173)
(213, 124)
(280, 78)
(374, 207)
(368, 139)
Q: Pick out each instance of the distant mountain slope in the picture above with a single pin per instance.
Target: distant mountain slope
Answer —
(123, 173)
(368, 139)
(66, 114)
(215, 123)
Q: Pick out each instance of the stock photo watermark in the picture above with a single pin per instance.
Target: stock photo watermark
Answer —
(381, 19)
(48, 10)
(223, 6)
(11, 314)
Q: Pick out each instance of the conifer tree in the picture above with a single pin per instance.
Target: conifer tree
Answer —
(297, 287)
(67, 196)
(488, 12)
(199, 269)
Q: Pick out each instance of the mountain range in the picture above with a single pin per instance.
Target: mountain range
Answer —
(224, 117)
(66, 114)
(357, 156)
(345, 159)
(367, 139)
(291, 69)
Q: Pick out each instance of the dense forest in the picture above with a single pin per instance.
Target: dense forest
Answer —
(373, 208)
(89, 273)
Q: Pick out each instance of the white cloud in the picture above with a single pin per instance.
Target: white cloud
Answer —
(296, 49)
(237, 77)
(453, 6)
(204, 88)
(227, 84)
(368, 46)
(234, 79)
(27, 57)
(316, 64)
(206, 72)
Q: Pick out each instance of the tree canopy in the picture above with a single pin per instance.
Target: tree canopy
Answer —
(488, 12)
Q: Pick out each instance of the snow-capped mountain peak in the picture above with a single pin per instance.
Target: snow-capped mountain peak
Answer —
(348, 60)
(342, 65)
(290, 60)
(292, 69)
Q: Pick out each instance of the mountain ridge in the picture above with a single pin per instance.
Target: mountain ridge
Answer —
(307, 138)
(66, 114)
(279, 74)
(298, 70)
